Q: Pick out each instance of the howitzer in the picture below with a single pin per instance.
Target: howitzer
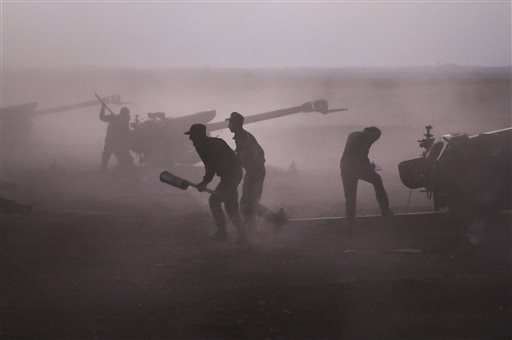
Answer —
(17, 120)
(472, 172)
(178, 182)
(160, 139)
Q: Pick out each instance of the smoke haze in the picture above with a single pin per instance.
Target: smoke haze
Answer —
(399, 101)
(248, 35)
(113, 254)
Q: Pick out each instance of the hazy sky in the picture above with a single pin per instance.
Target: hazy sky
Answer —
(255, 34)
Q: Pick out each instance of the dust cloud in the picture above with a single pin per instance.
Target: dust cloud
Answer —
(134, 253)
(400, 101)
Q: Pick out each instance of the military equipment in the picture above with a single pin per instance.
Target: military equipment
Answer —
(160, 140)
(462, 171)
(178, 182)
(103, 103)
(17, 120)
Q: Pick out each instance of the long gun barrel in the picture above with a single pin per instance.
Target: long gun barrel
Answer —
(115, 99)
(320, 105)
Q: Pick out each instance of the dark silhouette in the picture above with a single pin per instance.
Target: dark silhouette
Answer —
(156, 142)
(219, 159)
(117, 139)
(252, 158)
(355, 165)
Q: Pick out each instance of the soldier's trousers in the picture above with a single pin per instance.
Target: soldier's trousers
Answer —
(250, 205)
(350, 177)
(122, 154)
(105, 156)
(251, 193)
(227, 192)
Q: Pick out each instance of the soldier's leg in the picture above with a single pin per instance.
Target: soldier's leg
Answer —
(231, 203)
(256, 192)
(369, 175)
(265, 212)
(278, 219)
(215, 202)
(350, 188)
(105, 156)
(251, 194)
(247, 204)
(124, 160)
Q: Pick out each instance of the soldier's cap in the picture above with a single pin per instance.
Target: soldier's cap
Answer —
(236, 118)
(197, 130)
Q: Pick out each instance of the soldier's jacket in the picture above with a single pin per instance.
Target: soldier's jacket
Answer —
(118, 130)
(356, 150)
(249, 152)
(219, 159)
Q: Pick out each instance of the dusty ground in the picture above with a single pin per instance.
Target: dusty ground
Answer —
(138, 270)
(95, 262)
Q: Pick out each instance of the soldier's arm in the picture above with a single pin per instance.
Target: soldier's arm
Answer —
(209, 173)
(209, 170)
(241, 148)
(104, 117)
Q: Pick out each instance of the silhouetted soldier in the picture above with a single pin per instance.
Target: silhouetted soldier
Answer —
(355, 165)
(117, 139)
(219, 159)
(252, 157)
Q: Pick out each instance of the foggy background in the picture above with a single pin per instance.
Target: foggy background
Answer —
(102, 255)
(399, 66)
(248, 35)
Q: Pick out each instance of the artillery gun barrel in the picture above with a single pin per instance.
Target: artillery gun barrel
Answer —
(64, 108)
(274, 114)
(28, 109)
(306, 107)
(18, 110)
(110, 99)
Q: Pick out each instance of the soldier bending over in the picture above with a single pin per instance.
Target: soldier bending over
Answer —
(355, 165)
(219, 159)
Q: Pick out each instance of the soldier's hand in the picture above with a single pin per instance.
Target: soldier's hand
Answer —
(201, 187)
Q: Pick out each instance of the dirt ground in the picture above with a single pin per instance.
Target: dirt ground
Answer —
(136, 269)
(111, 260)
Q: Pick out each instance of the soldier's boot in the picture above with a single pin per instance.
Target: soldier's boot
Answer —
(280, 219)
(105, 157)
(241, 227)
